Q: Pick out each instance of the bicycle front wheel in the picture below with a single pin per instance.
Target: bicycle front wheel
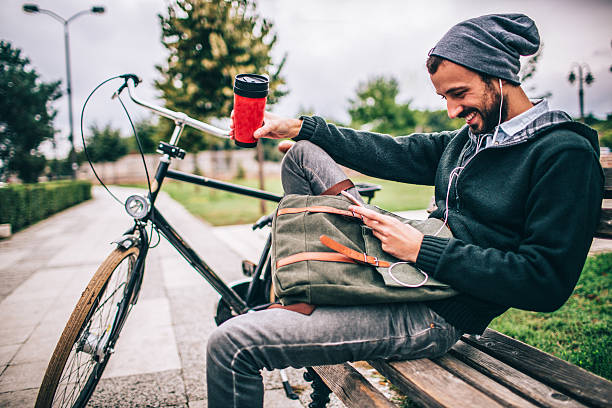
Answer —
(86, 344)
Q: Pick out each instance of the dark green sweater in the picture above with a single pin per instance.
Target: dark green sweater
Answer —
(522, 216)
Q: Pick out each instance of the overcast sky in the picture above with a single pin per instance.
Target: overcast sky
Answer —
(332, 45)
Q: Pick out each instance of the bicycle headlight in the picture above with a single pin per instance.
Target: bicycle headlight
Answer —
(137, 206)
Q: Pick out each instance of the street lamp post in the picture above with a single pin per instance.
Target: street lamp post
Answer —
(33, 8)
(584, 76)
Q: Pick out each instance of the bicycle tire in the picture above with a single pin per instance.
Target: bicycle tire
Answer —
(79, 338)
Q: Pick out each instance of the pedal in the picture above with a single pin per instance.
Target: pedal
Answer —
(248, 268)
(289, 393)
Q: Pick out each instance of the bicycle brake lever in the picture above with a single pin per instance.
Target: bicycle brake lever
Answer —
(118, 91)
(133, 77)
(127, 241)
(126, 77)
(263, 221)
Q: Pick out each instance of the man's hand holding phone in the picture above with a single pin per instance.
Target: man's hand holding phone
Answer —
(398, 239)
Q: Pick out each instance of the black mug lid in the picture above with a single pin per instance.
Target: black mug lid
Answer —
(251, 85)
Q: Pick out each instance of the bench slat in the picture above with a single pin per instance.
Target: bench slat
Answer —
(512, 378)
(604, 229)
(432, 386)
(483, 383)
(559, 374)
(351, 387)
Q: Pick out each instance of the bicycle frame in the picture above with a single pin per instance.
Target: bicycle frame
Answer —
(234, 301)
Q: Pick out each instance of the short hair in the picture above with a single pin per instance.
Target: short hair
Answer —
(434, 61)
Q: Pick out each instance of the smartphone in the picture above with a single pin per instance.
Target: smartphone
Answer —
(351, 198)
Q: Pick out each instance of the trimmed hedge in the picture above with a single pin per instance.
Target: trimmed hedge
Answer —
(25, 204)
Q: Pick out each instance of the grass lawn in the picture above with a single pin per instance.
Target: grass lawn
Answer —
(581, 331)
(224, 208)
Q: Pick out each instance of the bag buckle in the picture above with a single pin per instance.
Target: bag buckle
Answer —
(374, 262)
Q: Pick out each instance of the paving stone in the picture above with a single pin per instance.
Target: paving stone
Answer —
(23, 312)
(10, 336)
(20, 377)
(7, 353)
(161, 389)
(18, 399)
(36, 351)
(276, 399)
(147, 343)
(198, 404)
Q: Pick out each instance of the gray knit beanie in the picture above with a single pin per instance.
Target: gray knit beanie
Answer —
(490, 44)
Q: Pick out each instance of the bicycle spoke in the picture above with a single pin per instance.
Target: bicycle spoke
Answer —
(108, 298)
(76, 373)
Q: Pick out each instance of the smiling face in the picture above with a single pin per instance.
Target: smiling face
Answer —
(468, 96)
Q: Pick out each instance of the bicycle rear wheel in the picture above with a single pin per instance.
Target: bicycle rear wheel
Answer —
(86, 344)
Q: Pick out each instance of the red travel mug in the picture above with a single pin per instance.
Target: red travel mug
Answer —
(250, 93)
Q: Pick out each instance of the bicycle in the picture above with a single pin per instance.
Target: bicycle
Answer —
(90, 335)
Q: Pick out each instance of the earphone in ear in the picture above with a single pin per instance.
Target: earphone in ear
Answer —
(501, 103)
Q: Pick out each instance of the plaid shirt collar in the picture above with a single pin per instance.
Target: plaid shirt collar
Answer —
(519, 128)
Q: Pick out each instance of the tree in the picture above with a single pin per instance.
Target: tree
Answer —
(105, 144)
(527, 73)
(603, 128)
(149, 134)
(436, 121)
(376, 107)
(209, 43)
(26, 115)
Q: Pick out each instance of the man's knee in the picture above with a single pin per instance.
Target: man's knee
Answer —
(302, 146)
(298, 151)
(231, 336)
(235, 345)
(219, 344)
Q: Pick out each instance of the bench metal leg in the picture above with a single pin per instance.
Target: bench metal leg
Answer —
(320, 391)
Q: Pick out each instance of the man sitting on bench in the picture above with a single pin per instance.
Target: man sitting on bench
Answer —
(520, 187)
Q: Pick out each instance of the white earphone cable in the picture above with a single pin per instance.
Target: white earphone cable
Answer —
(501, 103)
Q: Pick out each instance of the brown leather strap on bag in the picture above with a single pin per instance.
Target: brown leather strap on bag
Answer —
(351, 253)
(320, 209)
(302, 308)
(338, 187)
(341, 254)
(313, 256)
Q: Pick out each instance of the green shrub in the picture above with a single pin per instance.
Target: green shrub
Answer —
(25, 204)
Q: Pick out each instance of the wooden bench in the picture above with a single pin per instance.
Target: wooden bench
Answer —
(492, 370)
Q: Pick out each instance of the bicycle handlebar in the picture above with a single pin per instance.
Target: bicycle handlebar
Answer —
(178, 117)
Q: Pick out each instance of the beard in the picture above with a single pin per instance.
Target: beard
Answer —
(489, 112)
